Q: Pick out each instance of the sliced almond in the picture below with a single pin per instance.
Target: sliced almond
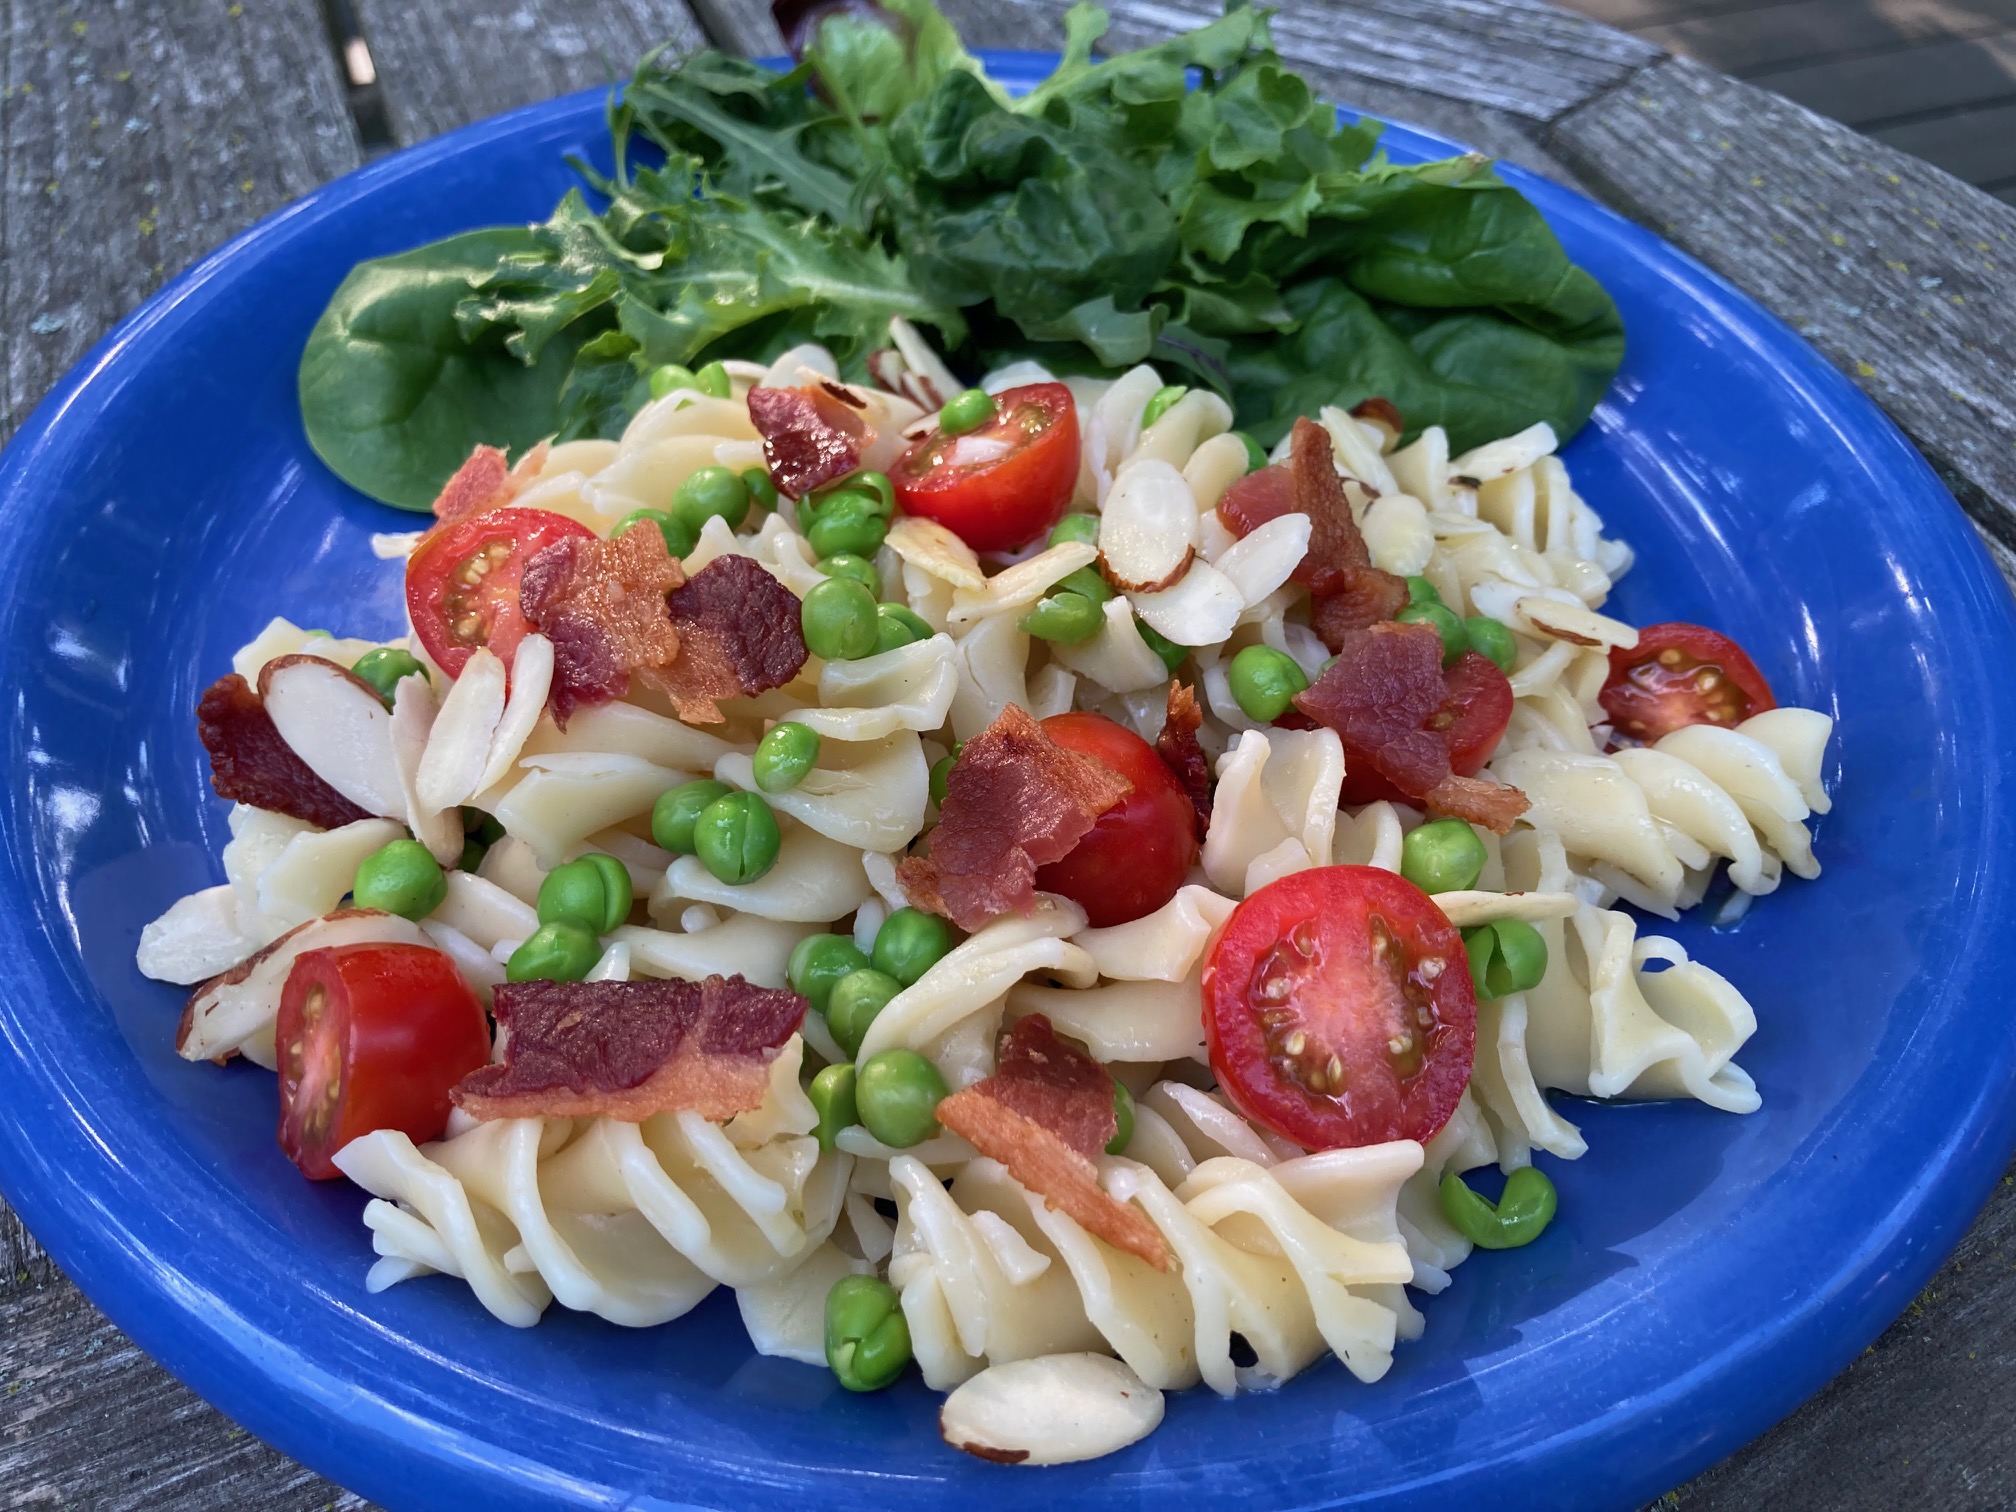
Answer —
(1505, 456)
(927, 545)
(197, 938)
(1052, 1410)
(1147, 527)
(235, 1012)
(1200, 610)
(335, 722)
(531, 681)
(458, 747)
(413, 710)
(1261, 561)
(1573, 623)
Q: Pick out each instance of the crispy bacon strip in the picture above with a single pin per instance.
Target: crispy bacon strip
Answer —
(482, 483)
(629, 1050)
(738, 633)
(1478, 800)
(250, 763)
(1047, 1114)
(810, 436)
(602, 604)
(1015, 800)
(1177, 746)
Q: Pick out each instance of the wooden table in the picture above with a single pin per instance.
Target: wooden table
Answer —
(134, 137)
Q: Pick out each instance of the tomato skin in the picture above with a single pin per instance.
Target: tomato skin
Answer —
(1479, 706)
(1653, 689)
(494, 547)
(1006, 503)
(371, 1037)
(1139, 851)
(1307, 942)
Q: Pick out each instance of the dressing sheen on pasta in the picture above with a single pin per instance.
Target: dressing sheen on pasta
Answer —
(921, 762)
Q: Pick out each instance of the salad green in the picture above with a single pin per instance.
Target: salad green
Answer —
(1191, 203)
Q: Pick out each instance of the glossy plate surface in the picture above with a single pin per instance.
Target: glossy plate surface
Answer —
(1706, 1272)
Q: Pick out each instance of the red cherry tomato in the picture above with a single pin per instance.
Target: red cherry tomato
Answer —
(462, 582)
(1473, 716)
(1338, 1009)
(1003, 485)
(1677, 675)
(1139, 851)
(371, 1037)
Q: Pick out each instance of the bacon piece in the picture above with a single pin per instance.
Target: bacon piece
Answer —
(1366, 596)
(629, 1050)
(602, 604)
(1015, 800)
(484, 482)
(738, 636)
(1177, 746)
(810, 436)
(1478, 800)
(250, 763)
(1047, 1114)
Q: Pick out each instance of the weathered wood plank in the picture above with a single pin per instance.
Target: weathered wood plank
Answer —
(1902, 81)
(134, 136)
(1978, 145)
(1898, 272)
(1764, 36)
(445, 63)
(740, 26)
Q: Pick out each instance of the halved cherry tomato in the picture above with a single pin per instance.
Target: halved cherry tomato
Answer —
(1139, 851)
(462, 582)
(1338, 1009)
(1473, 717)
(1001, 486)
(371, 1037)
(1677, 675)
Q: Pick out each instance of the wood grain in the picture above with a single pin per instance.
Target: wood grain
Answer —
(1898, 272)
(445, 63)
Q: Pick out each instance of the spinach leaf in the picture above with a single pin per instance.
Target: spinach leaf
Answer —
(395, 394)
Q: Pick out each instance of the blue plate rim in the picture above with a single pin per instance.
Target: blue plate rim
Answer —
(332, 1425)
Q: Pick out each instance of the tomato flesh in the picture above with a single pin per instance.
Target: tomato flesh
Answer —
(1677, 675)
(462, 582)
(1338, 1009)
(1476, 708)
(371, 1037)
(1139, 851)
(1003, 485)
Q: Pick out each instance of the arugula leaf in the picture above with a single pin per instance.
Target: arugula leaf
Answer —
(395, 394)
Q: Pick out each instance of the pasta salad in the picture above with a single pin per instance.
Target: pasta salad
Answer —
(1085, 971)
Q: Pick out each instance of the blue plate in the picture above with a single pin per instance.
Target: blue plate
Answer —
(1707, 1272)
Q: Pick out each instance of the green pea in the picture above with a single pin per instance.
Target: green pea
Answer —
(736, 838)
(848, 523)
(832, 1095)
(562, 951)
(867, 1337)
(713, 379)
(673, 814)
(1070, 619)
(1265, 682)
(384, 668)
(473, 852)
(785, 756)
(669, 376)
(909, 943)
(1506, 956)
(820, 960)
(966, 411)
(1443, 855)
(1454, 641)
(897, 1094)
(679, 536)
(899, 625)
(1171, 654)
(1517, 1217)
(484, 826)
(838, 620)
(941, 772)
(872, 483)
(1490, 639)
(400, 878)
(1085, 580)
(1256, 454)
(710, 491)
(593, 891)
(1081, 529)
(855, 1000)
(762, 492)
(1123, 1119)
(1421, 591)
(848, 565)
(1160, 403)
